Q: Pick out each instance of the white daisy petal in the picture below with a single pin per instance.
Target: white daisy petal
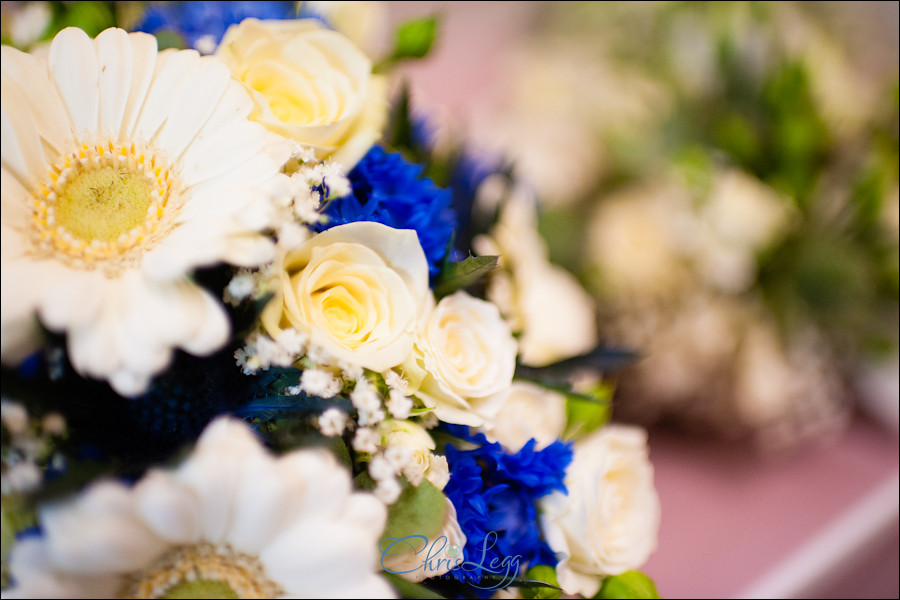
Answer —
(314, 556)
(100, 533)
(248, 251)
(169, 260)
(218, 151)
(116, 61)
(170, 510)
(73, 65)
(19, 139)
(144, 65)
(12, 207)
(20, 301)
(210, 327)
(172, 70)
(47, 108)
(73, 299)
(36, 577)
(193, 105)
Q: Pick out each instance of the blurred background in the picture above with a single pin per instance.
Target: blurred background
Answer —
(722, 177)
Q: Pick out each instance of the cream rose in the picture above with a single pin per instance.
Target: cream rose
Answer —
(424, 464)
(543, 302)
(528, 411)
(309, 84)
(608, 522)
(465, 355)
(356, 290)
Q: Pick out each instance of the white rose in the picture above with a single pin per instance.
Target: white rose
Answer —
(357, 291)
(528, 411)
(309, 84)
(608, 522)
(465, 356)
(543, 302)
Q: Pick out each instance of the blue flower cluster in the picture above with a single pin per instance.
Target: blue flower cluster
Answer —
(387, 189)
(194, 20)
(494, 494)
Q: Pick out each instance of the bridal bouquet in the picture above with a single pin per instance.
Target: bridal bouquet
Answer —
(262, 337)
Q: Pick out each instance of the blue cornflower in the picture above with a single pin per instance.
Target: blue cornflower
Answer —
(494, 494)
(387, 189)
(197, 20)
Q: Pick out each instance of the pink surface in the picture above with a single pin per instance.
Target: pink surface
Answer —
(730, 515)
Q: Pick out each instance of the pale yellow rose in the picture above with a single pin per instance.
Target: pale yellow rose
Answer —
(356, 290)
(424, 464)
(608, 522)
(309, 84)
(465, 355)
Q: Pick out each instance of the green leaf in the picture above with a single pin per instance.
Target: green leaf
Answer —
(589, 411)
(598, 359)
(499, 581)
(15, 515)
(630, 584)
(457, 275)
(408, 589)
(544, 573)
(420, 510)
(399, 133)
(412, 39)
(92, 17)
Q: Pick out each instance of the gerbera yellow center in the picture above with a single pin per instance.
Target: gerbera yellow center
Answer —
(203, 571)
(102, 204)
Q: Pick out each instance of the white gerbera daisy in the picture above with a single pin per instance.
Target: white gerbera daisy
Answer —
(232, 520)
(123, 170)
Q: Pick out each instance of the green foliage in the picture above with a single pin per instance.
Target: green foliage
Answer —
(412, 39)
(92, 17)
(630, 584)
(588, 412)
(408, 589)
(458, 275)
(546, 574)
(420, 510)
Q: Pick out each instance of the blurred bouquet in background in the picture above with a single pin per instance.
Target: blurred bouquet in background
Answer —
(724, 178)
(262, 337)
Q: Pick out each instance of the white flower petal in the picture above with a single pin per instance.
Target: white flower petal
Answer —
(218, 151)
(170, 510)
(14, 211)
(248, 250)
(192, 105)
(73, 299)
(143, 47)
(22, 153)
(313, 556)
(73, 64)
(34, 576)
(46, 106)
(99, 534)
(173, 69)
(116, 61)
